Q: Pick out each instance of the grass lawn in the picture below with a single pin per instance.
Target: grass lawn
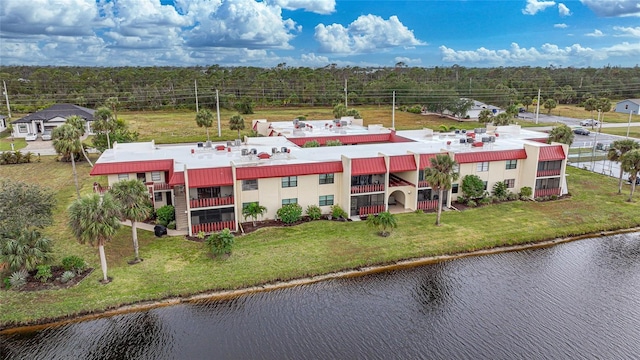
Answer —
(174, 266)
(634, 131)
(6, 141)
(577, 112)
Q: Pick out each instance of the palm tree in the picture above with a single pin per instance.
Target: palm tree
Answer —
(485, 116)
(440, 177)
(630, 162)
(78, 122)
(616, 150)
(205, 118)
(95, 219)
(133, 198)
(383, 221)
(104, 122)
(561, 134)
(252, 210)
(236, 123)
(25, 249)
(66, 141)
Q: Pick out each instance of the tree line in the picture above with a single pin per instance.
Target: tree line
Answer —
(31, 88)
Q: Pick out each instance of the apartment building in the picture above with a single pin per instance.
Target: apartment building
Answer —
(375, 169)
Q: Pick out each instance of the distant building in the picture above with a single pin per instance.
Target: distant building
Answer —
(3, 122)
(629, 105)
(50, 118)
(476, 108)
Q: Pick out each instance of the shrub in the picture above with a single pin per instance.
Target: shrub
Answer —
(7, 283)
(512, 196)
(172, 225)
(500, 190)
(290, 213)
(525, 193)
(44, 273)
(337, 212)
(310, 144)
(314, 212)
(553, 197)
(67, 276)
(335, 142)
(485, 201)
(471, 203)
(18, 278)
(74, 263)
(472, 187)
(166, 214)
(220, 243)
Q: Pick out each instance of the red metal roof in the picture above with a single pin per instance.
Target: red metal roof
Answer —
(344, 139)
(552, 153)
(368, 166)
(425, 160)
(132, 167)
(210, 177)
(177, 179)
(482, 156)
(266, 171)
(402, 163)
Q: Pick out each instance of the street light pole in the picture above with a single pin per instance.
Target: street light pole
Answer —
(629, 124)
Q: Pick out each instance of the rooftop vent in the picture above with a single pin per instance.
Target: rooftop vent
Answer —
(284, 149)
(244, 152)
(200, 145)
(463, 141)
(274, 150)
(229, 143)
(254, 151)
(237, 142)
(492, 139)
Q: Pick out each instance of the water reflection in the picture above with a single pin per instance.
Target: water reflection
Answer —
(576, 300)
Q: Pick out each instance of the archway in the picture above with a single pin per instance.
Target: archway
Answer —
(397, 201)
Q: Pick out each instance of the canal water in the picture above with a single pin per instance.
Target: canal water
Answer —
(579, 300)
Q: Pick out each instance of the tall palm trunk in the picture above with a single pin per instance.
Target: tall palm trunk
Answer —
(439, 207)
(620, 181)
(75, 174)
(86, 157)
(135, 238)
(103, 262)
(633, 188)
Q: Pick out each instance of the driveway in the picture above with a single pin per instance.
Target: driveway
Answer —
(40, 147)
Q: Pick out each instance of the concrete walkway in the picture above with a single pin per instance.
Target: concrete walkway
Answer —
(149, 227)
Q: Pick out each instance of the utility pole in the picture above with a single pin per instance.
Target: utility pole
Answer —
(628, 125)
(218, 111)
(393, 111)
(538, 106)
(6, 97)
(195, 83)
(345, 93)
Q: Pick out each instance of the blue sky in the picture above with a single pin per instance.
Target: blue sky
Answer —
(316, 33)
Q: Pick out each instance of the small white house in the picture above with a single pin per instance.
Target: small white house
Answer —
(628, 106)
(476, 108)
(50, 118)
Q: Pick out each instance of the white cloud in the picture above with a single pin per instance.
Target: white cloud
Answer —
(613, 8)
(628, 31)
(560, 26)
(407, 61)
(563, 10)
(516, 55)
(36, 17)
(534, 6)
(314, 60)
(595, 33)
(624, 49)
(366, 34)
(317, 6)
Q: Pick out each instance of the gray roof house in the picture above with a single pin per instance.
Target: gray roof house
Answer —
(628, 106)
(50, 118)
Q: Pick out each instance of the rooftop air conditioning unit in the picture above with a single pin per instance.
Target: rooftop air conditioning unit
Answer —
(244, 152)
(274, 150)
(485, 139)
(492, 139)
(463, 141)
(477, 130)
(200, 144)
(457, 131)
(463, 131)
(470, 140)
(344, 122)
(484, 131)
(254, 151)
(283, 149)
(237, 142)
(229, 143)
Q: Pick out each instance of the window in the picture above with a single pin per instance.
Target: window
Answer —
(244, 205)
(289, 181)
(250, 184)
(454, 188)
(22, 128)
(456, 168)
(511, 164)
(157, 196)
(326, 178)
(123, 177)
(325, 200)
(289, 201)
(486, 183)
(156, 176)
(483, 166)
(510, 183)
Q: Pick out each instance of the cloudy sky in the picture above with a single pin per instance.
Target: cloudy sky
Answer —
(316, 33)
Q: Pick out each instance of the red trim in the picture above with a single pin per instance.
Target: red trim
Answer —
(177, 179)
(425, 160)
(402, 163)
(368, 166)
(482, 156)
(271, 171)
(210, 177)
(552, 153)
(131, 167)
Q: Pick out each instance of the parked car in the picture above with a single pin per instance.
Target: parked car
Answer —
(46, 135)
(589, 122)
(581, 131)
(637, 180)
(31, 137)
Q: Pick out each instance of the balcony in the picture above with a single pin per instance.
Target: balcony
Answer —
(213, 227)
(370, 210)
(210, 202)
(361, 189)
(423, 184)
(157, 186)
(543, 173)
(546, 192)
(427, 204)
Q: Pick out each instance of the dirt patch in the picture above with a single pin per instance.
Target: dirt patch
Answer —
(55, 282)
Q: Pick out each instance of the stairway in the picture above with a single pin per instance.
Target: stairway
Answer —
(181, 211)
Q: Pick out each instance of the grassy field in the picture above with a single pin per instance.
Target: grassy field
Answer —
(577, 112)
(174, 266)
(634, 131)
(6, 141)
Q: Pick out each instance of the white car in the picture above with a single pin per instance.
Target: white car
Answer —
(31, 137)
(46, 135)
(589, 122)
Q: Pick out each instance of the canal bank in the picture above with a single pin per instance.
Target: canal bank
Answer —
(363, 271)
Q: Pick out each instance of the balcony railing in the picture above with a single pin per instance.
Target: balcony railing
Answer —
(213, 227)
(360, 189)
(547, 192)
(423, 184)
(209, 202)
(157, 186)
(370, 210)
(553, 172)
(427, 204)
